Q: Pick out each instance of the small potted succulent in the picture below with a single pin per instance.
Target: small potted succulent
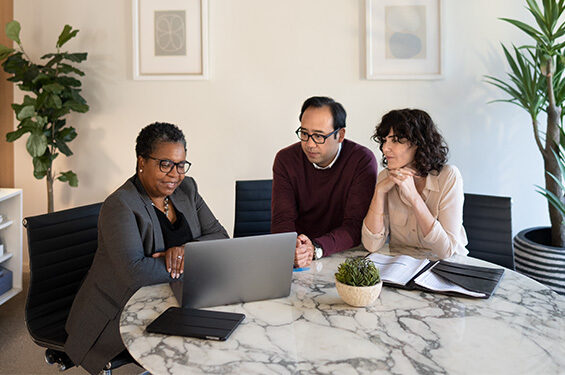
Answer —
(358, 282)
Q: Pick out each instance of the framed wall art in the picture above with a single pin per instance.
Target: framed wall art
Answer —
(404, 39)
(170, 39)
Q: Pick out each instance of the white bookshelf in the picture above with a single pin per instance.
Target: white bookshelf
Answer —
(11, 234)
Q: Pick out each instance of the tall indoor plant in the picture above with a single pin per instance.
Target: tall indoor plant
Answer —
(537, 84)
(54, 93)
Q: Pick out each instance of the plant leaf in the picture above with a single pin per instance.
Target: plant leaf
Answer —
(28, 100)
(26, 112)
(67, 34)
(15, 64)
(536, 35)
(66, 68)
(69, 177)
(552, 199)
(12, 136)
(5, 51)
(56, 101)
(36, 144)
(41, 165)
(62, 146)
(54, 88)
(41, 77)
(41, 121)
(56, 59)
(67, 134)
(59, 124)
(68, 81)
(13, 31)
(41, 99)
(75, 57)
(76, 106)
(76, 96)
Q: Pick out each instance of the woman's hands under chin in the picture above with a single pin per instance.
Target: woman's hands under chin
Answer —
(384, 185)
(404, 178)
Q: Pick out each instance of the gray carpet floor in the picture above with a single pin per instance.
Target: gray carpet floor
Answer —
(19, 354)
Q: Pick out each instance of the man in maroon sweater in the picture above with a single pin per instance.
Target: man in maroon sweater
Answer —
(322, 185)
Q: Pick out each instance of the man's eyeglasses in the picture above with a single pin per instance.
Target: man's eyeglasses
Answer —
(166, 165)
(317, 138)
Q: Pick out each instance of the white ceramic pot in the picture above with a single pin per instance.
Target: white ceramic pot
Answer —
(358, 296)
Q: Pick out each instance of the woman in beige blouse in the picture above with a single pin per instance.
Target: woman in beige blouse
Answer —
(418, 199)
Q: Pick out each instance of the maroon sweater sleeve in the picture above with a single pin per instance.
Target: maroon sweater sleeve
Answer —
(283, 203)
(359, 197)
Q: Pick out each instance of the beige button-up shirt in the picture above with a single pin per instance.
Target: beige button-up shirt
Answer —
(443, 195)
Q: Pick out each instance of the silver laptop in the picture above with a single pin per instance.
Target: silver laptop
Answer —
(223, 272)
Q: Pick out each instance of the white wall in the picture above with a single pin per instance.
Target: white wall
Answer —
(266, 57)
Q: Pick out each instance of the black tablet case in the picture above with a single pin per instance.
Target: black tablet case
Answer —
(203, 324)
(473, 278)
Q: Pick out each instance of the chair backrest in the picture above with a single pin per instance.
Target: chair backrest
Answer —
(488, 222)
(252, 207)
(61, 250)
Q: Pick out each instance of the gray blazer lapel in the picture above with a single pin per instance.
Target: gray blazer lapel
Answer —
(159, 243)
(185, 205)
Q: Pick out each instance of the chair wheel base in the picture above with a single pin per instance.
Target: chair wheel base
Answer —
(59, 358)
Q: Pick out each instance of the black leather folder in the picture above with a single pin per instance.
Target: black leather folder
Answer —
(202, 324)
(473, 278)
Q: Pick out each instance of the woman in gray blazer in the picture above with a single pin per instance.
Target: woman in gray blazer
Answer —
(142, 229)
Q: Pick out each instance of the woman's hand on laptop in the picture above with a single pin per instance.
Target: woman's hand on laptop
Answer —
(174, 260)
(304, 251)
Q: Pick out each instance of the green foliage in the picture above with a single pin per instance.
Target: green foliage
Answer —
(67, 34)
(13, 31)
(532, 65)
(536, 82)
(5, 52)
(54, 93)
(69, 176)
(358, 272)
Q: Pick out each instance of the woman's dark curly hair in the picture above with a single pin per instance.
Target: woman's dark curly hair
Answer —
(156, 133)
(417, 127)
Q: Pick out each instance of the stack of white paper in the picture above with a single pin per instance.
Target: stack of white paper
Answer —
(397, 270)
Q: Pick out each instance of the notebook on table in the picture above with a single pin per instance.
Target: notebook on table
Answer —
(222, 272)
(443, 276)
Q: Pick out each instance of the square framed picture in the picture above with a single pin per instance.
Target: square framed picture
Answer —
(404, 39)
(170, 39)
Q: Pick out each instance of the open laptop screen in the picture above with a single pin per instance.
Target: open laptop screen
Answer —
(222, 272)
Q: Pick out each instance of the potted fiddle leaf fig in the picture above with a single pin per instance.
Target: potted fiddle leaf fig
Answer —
(536, 83)
(53, 92)
(358, 282)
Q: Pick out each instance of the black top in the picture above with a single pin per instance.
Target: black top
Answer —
(174, 234)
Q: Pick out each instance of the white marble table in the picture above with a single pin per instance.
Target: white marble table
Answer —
(519, 330)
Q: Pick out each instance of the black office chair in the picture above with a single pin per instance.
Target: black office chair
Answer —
(252, 207)
(488, 222)
(61, 250)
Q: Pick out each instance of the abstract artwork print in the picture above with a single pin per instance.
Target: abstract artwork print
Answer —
(170, 33)
(405, 32)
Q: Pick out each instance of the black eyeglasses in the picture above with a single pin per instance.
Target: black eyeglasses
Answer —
(317, 138)
(166, 165)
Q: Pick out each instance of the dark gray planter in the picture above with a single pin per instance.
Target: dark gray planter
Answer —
(535, 258)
